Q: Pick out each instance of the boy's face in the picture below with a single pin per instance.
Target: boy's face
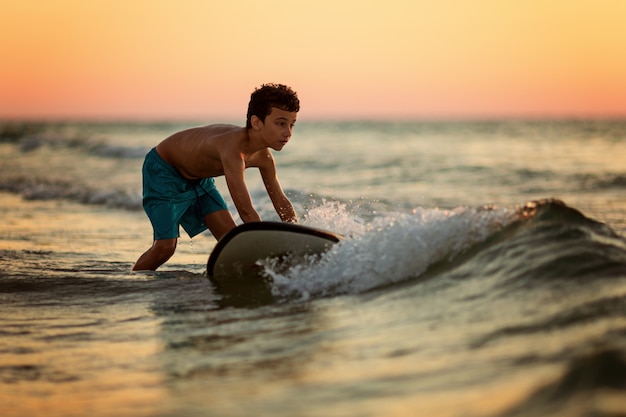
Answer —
(278, 127)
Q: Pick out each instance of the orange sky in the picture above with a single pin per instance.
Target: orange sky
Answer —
(346, 58)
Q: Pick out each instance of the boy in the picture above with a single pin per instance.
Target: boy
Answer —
(178, 184)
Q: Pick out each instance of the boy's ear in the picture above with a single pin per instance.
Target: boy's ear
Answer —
(256, 122)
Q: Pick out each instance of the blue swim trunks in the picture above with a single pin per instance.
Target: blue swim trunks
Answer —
(170, 199)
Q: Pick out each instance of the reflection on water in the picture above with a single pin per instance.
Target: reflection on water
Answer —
(65, 356)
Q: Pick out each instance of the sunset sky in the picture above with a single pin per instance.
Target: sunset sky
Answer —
(184, 59)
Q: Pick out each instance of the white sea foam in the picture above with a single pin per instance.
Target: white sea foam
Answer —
(390, 249)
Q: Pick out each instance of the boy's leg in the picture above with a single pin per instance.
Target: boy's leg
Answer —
(219, 223)
(157, 255)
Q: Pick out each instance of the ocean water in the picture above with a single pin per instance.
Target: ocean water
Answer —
(483, 273)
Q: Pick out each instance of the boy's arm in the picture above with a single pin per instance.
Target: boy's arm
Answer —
(281, 203)
(234, 169)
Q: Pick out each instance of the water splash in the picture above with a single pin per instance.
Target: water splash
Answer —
(334, 216)
(390, 249)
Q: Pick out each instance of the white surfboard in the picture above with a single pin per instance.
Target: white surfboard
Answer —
(236, 255)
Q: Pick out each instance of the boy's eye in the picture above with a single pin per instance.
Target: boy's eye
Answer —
(284, 123)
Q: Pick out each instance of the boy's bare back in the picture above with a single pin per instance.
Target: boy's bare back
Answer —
(199, 152)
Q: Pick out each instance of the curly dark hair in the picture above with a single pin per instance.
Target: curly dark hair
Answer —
(271, 95)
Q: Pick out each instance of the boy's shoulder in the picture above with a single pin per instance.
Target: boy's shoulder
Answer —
(222, 128)
(212, 130)
(216, 135)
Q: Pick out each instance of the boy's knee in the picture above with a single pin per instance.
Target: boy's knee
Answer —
(164, 249)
